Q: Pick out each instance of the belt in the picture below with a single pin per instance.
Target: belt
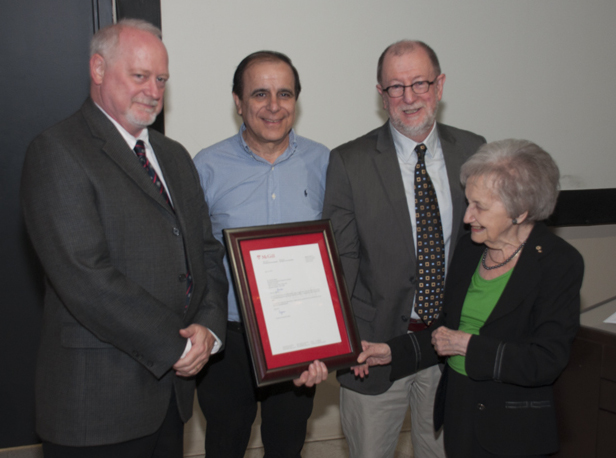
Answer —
(417, 325)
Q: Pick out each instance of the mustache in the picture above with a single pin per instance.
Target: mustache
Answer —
(146, 101)
(414, 106)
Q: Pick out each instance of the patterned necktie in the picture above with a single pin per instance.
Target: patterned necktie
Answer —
(430, 244)
(140, 152)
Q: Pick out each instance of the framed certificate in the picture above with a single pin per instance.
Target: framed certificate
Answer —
(293, 298)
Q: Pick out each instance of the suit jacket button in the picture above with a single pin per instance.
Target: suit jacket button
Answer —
(404, 318)
(182, 277)
(481, 407)
(176, 231)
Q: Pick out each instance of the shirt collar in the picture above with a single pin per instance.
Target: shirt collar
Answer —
(287, 154)
(405, 147)
(130, 140)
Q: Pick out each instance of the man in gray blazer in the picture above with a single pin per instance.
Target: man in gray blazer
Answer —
(135, 298)
(370, 198)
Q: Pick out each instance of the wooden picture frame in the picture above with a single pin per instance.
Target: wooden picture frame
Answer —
(293, 298)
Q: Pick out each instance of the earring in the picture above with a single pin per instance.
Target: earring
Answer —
(514, 221)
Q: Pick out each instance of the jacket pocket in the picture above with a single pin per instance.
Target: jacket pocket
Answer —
(527, 404)
(516, 405)
(363, 309)
(515, 420)
(74, 335)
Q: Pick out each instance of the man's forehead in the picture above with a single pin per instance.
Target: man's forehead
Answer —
(265, 68)
(131, 40)
(415, 54)
(416, 59)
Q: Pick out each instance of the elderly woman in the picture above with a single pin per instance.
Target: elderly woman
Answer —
(510, 313)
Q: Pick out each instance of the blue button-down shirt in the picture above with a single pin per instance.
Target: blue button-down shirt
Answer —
(243, 189)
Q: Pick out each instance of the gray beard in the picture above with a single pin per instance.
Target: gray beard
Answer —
(140, 122)
(416, 131)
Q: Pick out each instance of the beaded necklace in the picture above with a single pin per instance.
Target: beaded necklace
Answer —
(485, 254)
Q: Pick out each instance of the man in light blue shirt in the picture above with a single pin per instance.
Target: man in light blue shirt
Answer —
(266, 174)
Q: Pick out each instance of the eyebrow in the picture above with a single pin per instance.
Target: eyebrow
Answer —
(148, 72)
(268, 90)
(258, 90)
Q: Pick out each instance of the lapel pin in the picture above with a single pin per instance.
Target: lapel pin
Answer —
(538, 248)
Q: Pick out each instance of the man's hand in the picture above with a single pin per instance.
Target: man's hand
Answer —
(448, 343)
(374, 354)
(316, 373)
(202, 342)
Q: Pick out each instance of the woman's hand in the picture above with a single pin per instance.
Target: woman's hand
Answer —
(374, 354)
(448, 342)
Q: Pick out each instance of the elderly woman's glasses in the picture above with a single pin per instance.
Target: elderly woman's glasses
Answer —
(418, 87)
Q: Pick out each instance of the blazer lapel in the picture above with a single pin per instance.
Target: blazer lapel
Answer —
(455, 291)
(453, 162)
(116, 148)
(388, 167)
(524, 278)
(167, 162)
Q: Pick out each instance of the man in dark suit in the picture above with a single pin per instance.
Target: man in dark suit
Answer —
(371, 199)
(135, 297)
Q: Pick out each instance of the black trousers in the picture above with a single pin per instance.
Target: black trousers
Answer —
(166, 442)
(228, 397)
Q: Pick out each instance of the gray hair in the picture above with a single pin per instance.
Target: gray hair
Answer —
(402, 47)
(524, 176)
(104, 42)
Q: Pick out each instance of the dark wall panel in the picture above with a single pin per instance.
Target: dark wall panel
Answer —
(43, 79)
(585, 207)
(142, 9)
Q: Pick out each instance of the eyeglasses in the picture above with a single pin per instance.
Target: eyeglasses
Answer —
(418, 87)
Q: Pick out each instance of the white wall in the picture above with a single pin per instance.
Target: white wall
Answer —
(542, 70)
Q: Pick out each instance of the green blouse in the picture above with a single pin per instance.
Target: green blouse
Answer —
(481, 298)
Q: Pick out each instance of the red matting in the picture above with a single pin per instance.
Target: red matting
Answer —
(308, 354)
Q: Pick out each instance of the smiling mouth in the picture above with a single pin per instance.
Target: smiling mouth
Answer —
(149, 105)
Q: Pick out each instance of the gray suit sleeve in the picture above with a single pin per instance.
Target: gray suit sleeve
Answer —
(213, 310)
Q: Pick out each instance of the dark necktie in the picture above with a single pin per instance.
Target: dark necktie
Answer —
(430, 244)
(140, 152)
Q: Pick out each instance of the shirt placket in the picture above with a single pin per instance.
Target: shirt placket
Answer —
(273, 200)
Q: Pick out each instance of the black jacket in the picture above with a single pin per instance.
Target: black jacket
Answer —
(521, 349)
